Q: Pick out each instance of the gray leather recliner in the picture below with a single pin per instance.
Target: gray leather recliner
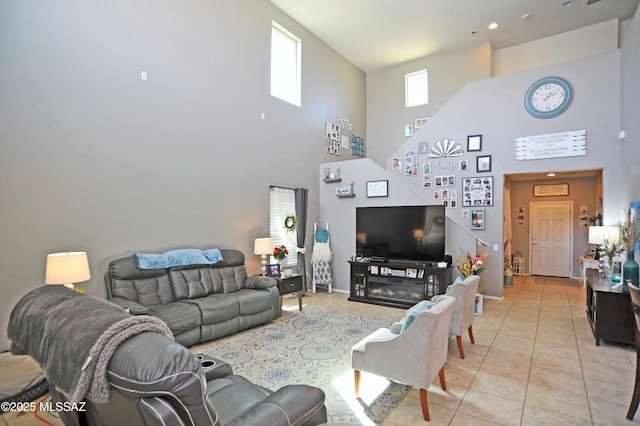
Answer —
(155, 381)
(106, 367)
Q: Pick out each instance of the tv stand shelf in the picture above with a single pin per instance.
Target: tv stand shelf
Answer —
(397, 284)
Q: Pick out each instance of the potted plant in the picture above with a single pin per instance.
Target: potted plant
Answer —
(630, 235)
(280, 253)
(610, 249)
(469, 265)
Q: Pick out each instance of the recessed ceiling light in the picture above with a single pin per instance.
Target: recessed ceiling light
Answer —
(551, 174)
(567, 3)
(493, 26)
(526, 16)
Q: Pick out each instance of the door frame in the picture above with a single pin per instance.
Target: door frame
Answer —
(531, 204)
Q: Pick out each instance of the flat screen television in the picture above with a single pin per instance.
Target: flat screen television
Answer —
(401, 233)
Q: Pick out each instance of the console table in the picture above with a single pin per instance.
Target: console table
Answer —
(396, 284)
(291, 284)
(608, 310)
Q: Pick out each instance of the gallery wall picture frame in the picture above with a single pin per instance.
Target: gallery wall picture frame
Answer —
(477, 219)
(423, 147)
(474, 143)
(396, 163)
(483, 163)
(477, 191)
(377, 188)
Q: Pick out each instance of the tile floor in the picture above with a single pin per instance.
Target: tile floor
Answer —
(534, 362)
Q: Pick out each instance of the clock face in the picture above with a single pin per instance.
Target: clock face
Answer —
(548, 97)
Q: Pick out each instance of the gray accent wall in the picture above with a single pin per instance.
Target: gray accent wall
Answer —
(93, 158)
(493, 107)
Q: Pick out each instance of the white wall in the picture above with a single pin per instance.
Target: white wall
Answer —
(386, 111)
(630, 88)
(591, 40)
(92, 158)
(494, 108)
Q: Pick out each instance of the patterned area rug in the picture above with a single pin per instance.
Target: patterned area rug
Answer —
(313, 347)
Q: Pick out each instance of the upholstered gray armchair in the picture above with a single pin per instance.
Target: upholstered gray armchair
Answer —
(413, 351)
(464, 309)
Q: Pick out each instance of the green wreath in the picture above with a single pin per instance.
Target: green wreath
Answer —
(290, 223)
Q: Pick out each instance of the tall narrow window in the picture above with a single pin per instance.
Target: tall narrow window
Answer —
(416, 88)
(282, 203)
(286, 50)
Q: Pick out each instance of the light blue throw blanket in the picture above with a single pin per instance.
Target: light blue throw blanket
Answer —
(181, 257)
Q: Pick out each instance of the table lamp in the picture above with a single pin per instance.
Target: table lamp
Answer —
(263, 247)
(67, 268)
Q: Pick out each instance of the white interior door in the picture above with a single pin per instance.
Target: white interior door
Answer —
(551, 238)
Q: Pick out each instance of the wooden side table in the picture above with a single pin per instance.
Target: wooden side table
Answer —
(291, 284)
(609, 311)
(587, 262)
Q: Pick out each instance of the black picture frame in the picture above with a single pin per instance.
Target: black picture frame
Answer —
(474, 143)
(273, 270)
(483, 163)
(377, 188)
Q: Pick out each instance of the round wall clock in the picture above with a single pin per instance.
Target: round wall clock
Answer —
(548, 97)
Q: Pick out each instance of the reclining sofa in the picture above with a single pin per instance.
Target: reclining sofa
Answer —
(126, 370)
(198, 301)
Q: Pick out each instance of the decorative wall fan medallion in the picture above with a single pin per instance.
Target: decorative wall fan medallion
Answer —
(445, 148)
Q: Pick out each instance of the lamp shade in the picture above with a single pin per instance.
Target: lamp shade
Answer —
(597, 234)
(67, 268)
(262, 246)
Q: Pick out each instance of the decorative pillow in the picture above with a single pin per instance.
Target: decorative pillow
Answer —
(413, 312)
(450, 286)
(322, 236)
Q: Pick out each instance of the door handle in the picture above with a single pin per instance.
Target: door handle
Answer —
(534, 243)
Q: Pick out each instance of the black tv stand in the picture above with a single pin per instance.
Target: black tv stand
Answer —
(397, 283)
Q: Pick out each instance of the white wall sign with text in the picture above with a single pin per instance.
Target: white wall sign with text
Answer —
(553, 145)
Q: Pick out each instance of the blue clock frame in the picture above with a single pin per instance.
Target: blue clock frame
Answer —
(568, 90)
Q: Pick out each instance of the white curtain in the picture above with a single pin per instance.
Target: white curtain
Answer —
(283, 204)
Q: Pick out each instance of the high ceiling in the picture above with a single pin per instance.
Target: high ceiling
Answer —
(374, 34)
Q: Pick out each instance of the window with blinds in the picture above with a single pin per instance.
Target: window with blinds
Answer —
(282, 203)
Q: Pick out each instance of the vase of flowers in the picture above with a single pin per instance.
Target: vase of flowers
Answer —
(630, 235)
(280, 253)
(610, 249)
(470, 265)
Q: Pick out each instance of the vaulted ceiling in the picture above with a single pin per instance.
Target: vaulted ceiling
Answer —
(374, 34)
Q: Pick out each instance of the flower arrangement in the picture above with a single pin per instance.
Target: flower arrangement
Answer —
(611, 249)
(469, 265)
(630, 230)
(280, 252)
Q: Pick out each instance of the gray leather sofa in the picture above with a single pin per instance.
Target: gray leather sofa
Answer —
(105, 367)
(198, 302)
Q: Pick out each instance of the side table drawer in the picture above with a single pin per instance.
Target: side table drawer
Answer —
(290, 284)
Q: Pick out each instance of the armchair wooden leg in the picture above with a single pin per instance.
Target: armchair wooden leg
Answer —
(356, 376)
(459, 340)
(443, 384)
(635, 399)
(471, 334)
(423, 403)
